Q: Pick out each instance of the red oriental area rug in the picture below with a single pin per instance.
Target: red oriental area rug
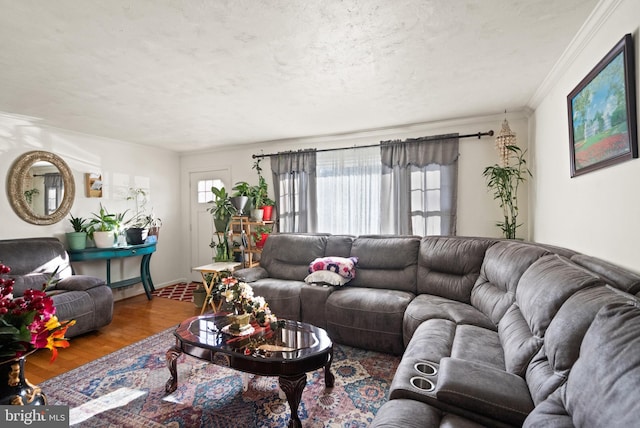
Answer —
(181, 291)
(127, 389)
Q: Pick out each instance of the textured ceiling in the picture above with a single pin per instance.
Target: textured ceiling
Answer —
(189, 75)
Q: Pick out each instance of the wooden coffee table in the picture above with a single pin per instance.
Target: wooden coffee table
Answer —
(288, 352)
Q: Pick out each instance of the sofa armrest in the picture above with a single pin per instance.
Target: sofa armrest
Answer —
(251, 274)
(79, 283)
(484, 390)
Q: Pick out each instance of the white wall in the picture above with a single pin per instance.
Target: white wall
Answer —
(84, 153)
(477, 211)
(597, 213)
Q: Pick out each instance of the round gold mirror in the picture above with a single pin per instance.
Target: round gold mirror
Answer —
(40, 187)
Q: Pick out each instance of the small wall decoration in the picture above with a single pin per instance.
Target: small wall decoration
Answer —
(93, 185)
(602, 112)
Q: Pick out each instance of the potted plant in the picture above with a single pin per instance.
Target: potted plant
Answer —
(103, 227)
(222, 211)
(241, 196)
(257, 196)
(77, 240)
(260, 236)
(137, 226)
(266, 203)
(504, 181)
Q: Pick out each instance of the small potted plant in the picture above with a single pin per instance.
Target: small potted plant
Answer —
(241, 196)
(261, 234)
(77, 240)
(103, 227)
(267, 204)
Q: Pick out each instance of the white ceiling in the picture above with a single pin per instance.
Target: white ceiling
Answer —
(190, 75)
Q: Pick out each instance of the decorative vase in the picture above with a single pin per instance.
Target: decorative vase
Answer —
(77, 240)
(256, 214)
(104, 239)
(267, 211)
(15, 389)
(136, 235)
(239, 322)
(154, 231)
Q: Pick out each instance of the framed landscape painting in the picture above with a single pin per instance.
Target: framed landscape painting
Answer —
(602, 112)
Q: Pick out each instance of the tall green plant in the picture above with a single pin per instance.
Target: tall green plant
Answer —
(504, 181)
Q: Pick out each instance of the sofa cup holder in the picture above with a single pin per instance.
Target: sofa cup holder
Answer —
(425, 368)
(422, 383)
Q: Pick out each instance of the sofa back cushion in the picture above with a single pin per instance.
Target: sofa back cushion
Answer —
(33, 260)
(563, 338)
(542, 290)
(338, 245)
(388, 262)
(614, 275)
(502, 267)
(449, 266)
(287, 256)
(601, 389)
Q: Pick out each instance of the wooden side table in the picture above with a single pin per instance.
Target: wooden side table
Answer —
(214, 269)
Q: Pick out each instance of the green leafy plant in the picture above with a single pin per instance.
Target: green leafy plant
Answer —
(222, 209)
(504, 181)
(29, 194)
(260, 193)
(104, 221)
(79, 224)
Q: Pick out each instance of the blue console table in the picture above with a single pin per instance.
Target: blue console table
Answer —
(144, 250)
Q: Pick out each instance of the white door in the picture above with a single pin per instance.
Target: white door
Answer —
(202, 229)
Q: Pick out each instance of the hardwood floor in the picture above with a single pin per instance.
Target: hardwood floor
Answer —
(133, 319)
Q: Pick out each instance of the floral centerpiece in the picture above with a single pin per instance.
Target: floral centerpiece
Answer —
(29, 322)
(240, 295)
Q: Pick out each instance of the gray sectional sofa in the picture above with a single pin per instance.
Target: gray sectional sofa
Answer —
(86, 299)
(492, 332)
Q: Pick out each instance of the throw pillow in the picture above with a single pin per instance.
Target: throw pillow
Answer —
(325, 277)
(345, 267)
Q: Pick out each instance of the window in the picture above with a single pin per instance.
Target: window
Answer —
(425, 200)
(204, 190)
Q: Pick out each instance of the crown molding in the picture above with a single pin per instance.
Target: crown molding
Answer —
(578, 44)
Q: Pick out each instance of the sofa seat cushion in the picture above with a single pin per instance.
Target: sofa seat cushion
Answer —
(404, 413)
(601, 389)
(481, 345)
(426, 306)
(313, 300)
(367, 318)
(283, 296)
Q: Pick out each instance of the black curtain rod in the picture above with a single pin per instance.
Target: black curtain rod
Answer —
(477, 134)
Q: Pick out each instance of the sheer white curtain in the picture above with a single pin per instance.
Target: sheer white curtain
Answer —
(348, 191)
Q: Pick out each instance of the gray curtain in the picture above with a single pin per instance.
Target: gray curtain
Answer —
(294, 178)
(52, 181)
(405, 166)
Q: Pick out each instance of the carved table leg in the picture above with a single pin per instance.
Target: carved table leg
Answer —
(329, 379)
(293, 387)
(172, 361)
